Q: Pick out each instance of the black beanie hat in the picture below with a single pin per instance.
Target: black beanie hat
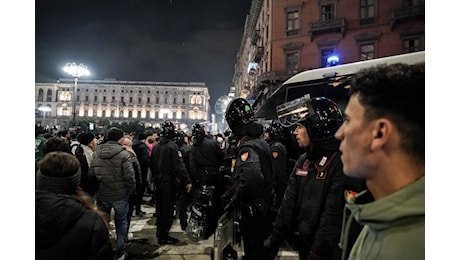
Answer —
(114, 134)
(142, 136)
(58, 172)
(85, 138)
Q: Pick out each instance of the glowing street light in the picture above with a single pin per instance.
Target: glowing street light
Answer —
(76, 71)
(44, 109)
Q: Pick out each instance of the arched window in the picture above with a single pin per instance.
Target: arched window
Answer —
(49, 95)
(40, 95)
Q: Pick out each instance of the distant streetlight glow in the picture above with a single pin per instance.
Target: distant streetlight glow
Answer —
(44, 109)
(76, 71)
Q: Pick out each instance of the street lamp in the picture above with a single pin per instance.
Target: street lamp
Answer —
(76, 71)
(44, 109)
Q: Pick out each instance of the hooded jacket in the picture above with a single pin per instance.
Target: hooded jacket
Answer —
(65, 229)
(394, 227)
(114, 171)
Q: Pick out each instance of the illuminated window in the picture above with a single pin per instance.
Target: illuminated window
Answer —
(367, 51)
(196, 100)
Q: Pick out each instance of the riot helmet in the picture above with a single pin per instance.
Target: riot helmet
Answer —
(167, 130)
(320, 115)
(179, 137)
(198, 131)
(239, 113)
(275, 130)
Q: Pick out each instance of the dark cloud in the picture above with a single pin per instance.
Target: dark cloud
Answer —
(151, 40)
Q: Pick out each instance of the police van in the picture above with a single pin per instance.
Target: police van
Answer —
(331, 82)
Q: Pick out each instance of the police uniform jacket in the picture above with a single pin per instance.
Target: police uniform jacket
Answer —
(312, 208)
(167, 164)
(206, 158)
(253, 176)
(279, 164)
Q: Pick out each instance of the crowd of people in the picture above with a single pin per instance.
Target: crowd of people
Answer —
(354, 189)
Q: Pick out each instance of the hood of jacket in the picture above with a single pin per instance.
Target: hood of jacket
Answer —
(381, 214)
(402, 206)
(109, 149)
(55, 215)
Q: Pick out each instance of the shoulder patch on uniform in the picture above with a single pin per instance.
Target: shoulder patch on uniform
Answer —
(349, 194)
(179, 154)
(244, 156)
(275, 154)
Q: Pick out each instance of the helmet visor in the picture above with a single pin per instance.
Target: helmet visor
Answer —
(294, 111)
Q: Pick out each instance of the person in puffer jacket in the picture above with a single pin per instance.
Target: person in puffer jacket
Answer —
(115, 174)
(67, 223)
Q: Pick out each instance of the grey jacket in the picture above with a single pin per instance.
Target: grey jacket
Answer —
(114, 171)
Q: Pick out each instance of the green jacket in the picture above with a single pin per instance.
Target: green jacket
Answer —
(39, 143)
(394, 227)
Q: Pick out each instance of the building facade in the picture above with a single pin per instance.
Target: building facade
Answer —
(108, 101)
(283, 38)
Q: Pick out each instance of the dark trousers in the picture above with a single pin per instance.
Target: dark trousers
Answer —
(138, 199)
(165, 194)
(183, 201)
(254, 230)
(131, 206)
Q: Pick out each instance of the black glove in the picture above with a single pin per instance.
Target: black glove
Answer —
(273, 241)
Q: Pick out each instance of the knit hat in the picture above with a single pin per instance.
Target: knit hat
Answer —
(85, 138)
(58, 172)
(114, 134)
(142, 136)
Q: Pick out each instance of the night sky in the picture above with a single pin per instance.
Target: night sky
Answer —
(141, 40)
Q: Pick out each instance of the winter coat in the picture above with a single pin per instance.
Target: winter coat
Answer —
(311, 212)
(279, 165)
(114, 171)
(253, 177)
(394, 226)
(167, 164)
(84, 154)
(205, 159)
(142, 153)
(65, 229)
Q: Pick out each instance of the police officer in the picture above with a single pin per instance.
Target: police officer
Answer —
(184, 198)
(169, 174)
(252, 187)
(311, 211)
(274, 136)
(206, 158)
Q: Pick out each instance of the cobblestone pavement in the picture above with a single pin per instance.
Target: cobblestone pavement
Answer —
(144, 244)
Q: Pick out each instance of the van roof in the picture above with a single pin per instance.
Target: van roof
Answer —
(351, 68)
(315, 82)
